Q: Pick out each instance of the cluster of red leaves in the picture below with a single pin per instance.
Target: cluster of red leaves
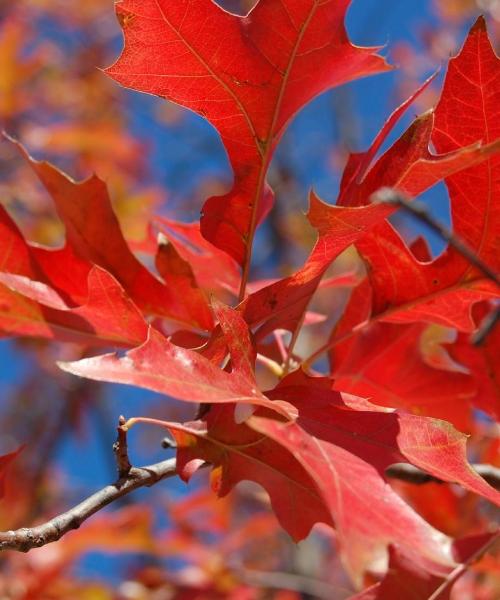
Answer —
(319, 445)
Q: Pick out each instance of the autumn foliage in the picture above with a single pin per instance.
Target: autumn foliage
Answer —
(312, 384)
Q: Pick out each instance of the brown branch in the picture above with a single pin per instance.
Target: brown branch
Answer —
(25, 539)
(411, 474)
(121, 450)
(288, 581)
(419, 211)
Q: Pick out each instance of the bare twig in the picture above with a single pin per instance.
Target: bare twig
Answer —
(168, 442)
(25, 539)
(120, 449)
(486, 327)
(411, 474)
(419, 210)
(390, 196)
(289, 581)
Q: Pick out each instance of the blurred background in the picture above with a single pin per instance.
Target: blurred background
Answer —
(172, 541)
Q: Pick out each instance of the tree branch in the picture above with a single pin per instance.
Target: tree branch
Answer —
(120, 448)
(25, 539)
(419, 211)
(411, 474)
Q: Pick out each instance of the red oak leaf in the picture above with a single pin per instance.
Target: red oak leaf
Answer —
(94, 235)
(408, 577)
(346, 453)
(408, 166)
(214, 270)
(184, 374)
(444, 290)
(246, 75)
(331, 463)
(411, 578)
(483, 364)
(107, 317)
(384, 362)
(54, 294)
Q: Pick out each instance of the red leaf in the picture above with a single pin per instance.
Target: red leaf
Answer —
(408, 166)
(107, 317)
(248, 82)
(5, 461)
(330, 463)
(406, 290)
(184, 374)
(304, 491)
(407, 577)
(53, 294)
(483, 364)
(178, 275)
(94, 235)
(282, 304)
(444, 290)
(472, 87)
(384, 362)
(214, 270)
(411, 578)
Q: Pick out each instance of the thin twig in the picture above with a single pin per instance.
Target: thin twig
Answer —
(288, 581)
(25, 539)
(486, 327)
(390, 196)
(121, 450)
(411, 474)
(419, 210)
(460, 569)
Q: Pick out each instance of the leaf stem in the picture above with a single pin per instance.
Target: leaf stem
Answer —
(269, 145)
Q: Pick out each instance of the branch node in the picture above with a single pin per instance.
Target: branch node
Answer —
(120, 449)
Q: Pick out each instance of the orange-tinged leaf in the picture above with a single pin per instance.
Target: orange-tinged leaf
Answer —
(94, 234)
(54, 294)
(108, 316)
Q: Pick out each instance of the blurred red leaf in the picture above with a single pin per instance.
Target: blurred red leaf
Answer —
(94, 234)
(54, 294)
(5, 461)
